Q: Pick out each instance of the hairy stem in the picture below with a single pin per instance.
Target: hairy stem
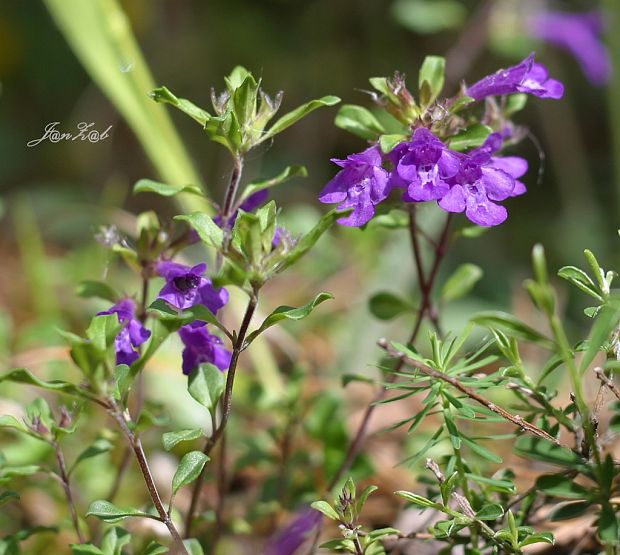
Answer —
(426, 289)
(138, 450)
(66, 485)
(231, 192)
(226, 406)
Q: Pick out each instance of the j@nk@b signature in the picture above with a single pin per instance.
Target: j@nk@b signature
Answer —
(85, 132)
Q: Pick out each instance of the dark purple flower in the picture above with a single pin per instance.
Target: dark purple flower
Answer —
(186, 286)
(423, 165)
(361, 185)
(293, 536)
(580, 34)
(481, 179)
(525, 77)
(132, 334)
(200, 347)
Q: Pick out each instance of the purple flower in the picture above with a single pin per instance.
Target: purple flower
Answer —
(361, 185)
(580, 34)
(525, 77)
(186, 287)
(132, 334)
(423, 166)
(481, 179)
(293, 536)
(200, 347)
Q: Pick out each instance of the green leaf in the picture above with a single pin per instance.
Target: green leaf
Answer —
(490, 512)
(193, 546)
(606, 322)
(173, 320)
(99, 289)
(558, 485)
(567, 511)
(310, 238)
(170, 439)
(388, 142)
(325, 508)
(418, 500)
(86, 549)
(608, 525)
(102, 331)
(99, 447)
(288, 313)
(461, 282)
(481, 451)
(515, 103)
(7, 496)
(164, 95)
(359, 505)
(546, 451)
(206, 385)
(432, 72)
(471, 137)
(21, 375)
(289, 173)
(208, 231)
(114, 540)
(385, 305)
(512, 326)
(460, 103)
(164, 189)
(360, 121)
(298, 113)
(109, 512)
(473, 231)
(581, 280)
(189, 469)
(153, 548)
(429, 16)
(8, 421)
(539, 537)
(243, 99)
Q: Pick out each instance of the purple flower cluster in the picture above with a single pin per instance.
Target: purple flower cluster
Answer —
(185, 287)
(473, 182)
(132, 334)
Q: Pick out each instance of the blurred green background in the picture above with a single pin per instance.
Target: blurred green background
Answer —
(55, 196)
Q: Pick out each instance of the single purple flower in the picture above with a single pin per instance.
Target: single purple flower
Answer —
(200, 347)
(361, 185)
(525, 77)
(424, 164)
(293, 536)
(186, 286)
(132, 334)
(480, 180)
(580, 34)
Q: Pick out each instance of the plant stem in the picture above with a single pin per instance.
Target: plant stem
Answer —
(136, 446)
(64, 476)
(124, 465)
(426, 288)
(226, 406)
(435, 374)
(231, 192)
(221, 494)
